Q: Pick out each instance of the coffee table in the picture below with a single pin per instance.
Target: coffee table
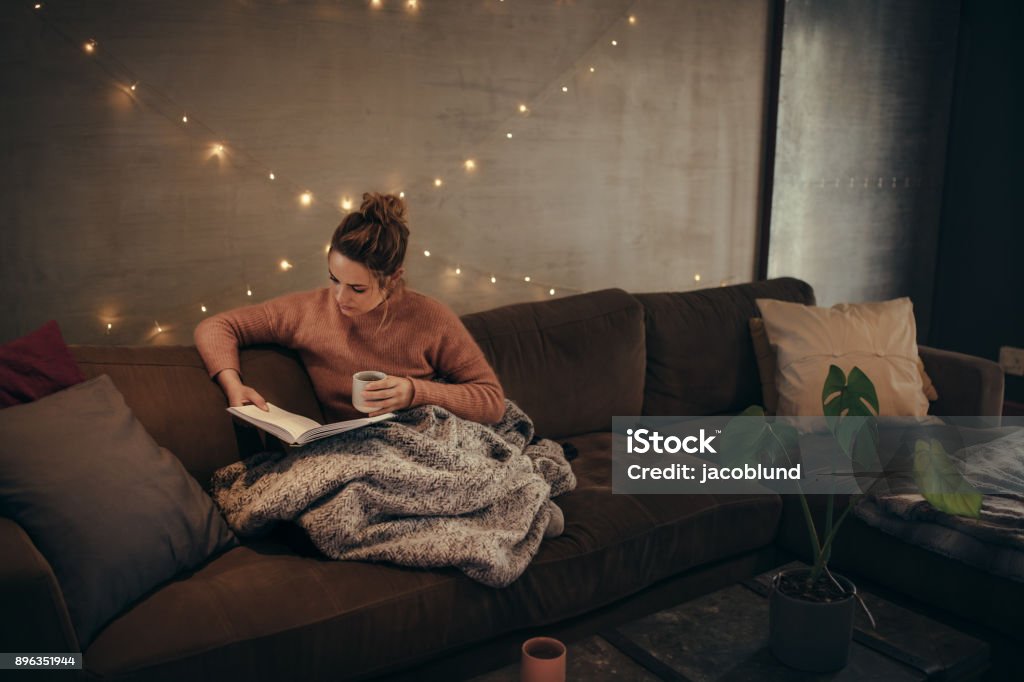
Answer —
(724, 636)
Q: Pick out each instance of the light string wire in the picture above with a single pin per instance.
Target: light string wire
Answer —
(143, 94)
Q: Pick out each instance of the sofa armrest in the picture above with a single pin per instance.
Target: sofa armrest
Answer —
(35, 617)
(967, 385)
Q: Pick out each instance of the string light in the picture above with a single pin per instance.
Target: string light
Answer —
(632, 19)
(614, 43)
(696, 278)
(91, 47)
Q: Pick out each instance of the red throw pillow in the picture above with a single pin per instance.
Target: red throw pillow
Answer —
(35, 366)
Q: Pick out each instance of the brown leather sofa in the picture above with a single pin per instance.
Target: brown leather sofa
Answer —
(273, 609)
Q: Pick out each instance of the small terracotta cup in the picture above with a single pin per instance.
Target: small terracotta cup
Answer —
(543, 660)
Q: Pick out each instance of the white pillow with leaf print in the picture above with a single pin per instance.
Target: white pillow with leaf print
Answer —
(880, 338)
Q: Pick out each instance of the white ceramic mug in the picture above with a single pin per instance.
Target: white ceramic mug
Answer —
(359, 381)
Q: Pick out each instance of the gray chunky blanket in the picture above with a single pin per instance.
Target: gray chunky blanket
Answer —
(424, 489)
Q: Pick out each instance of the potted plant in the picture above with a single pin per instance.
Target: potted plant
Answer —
(811, 609)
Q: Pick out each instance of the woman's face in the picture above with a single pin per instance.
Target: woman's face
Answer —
(355, 289)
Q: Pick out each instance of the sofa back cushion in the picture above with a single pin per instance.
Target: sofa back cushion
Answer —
(570, 363)
(170, 392)
(700, 358)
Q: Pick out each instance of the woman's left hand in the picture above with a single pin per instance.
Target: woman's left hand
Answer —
(389, 394)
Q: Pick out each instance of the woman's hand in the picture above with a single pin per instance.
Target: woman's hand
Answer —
(237, 393)
(388, 394)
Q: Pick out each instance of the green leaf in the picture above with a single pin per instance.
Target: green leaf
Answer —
(750, 435)
(941, 484)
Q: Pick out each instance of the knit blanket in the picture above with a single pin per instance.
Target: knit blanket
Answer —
(425, 489)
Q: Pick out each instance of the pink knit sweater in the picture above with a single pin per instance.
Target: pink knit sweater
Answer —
(421, 339)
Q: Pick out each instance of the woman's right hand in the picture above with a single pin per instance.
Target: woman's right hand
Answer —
(239, 394)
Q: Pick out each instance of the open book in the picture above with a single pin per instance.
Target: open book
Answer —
(294, 429)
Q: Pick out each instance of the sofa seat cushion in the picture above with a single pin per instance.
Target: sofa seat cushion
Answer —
(261, 611)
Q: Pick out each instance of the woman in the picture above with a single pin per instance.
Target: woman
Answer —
(365, 320)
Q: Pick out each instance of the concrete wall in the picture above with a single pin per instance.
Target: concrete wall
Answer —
(644, 173)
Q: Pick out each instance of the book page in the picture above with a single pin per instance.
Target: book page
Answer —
(293, 424)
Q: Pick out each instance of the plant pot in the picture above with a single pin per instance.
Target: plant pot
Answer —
(810, 635)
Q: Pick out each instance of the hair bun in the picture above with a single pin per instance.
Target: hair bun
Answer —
(382, 208)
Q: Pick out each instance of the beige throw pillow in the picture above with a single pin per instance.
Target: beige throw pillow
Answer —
(880, 338)
(766, 369)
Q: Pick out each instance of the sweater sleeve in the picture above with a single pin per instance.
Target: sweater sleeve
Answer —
(219, 337)
(473, 391)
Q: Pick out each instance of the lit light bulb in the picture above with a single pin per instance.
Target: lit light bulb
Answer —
(401, 195)
(109, 326)
(39, 5)
(591, 69)
(632, 19)
(159, 329)
(184, 118)
(133, 86)
(565, 88)
(412, 4)
(271, 176)
(203, 308)
(523, 109)
(551, 292)
(427, 254)
(458, 271)
(375, 4)
(306, 198)
(470, 164)
(218, 149)
(248, 292)
(508, 135)
(285, 265)
(90, 46)
(526, 279)
(696, 278)
(346, 203)
(493, 279)
(437, 182)
(614, 43)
